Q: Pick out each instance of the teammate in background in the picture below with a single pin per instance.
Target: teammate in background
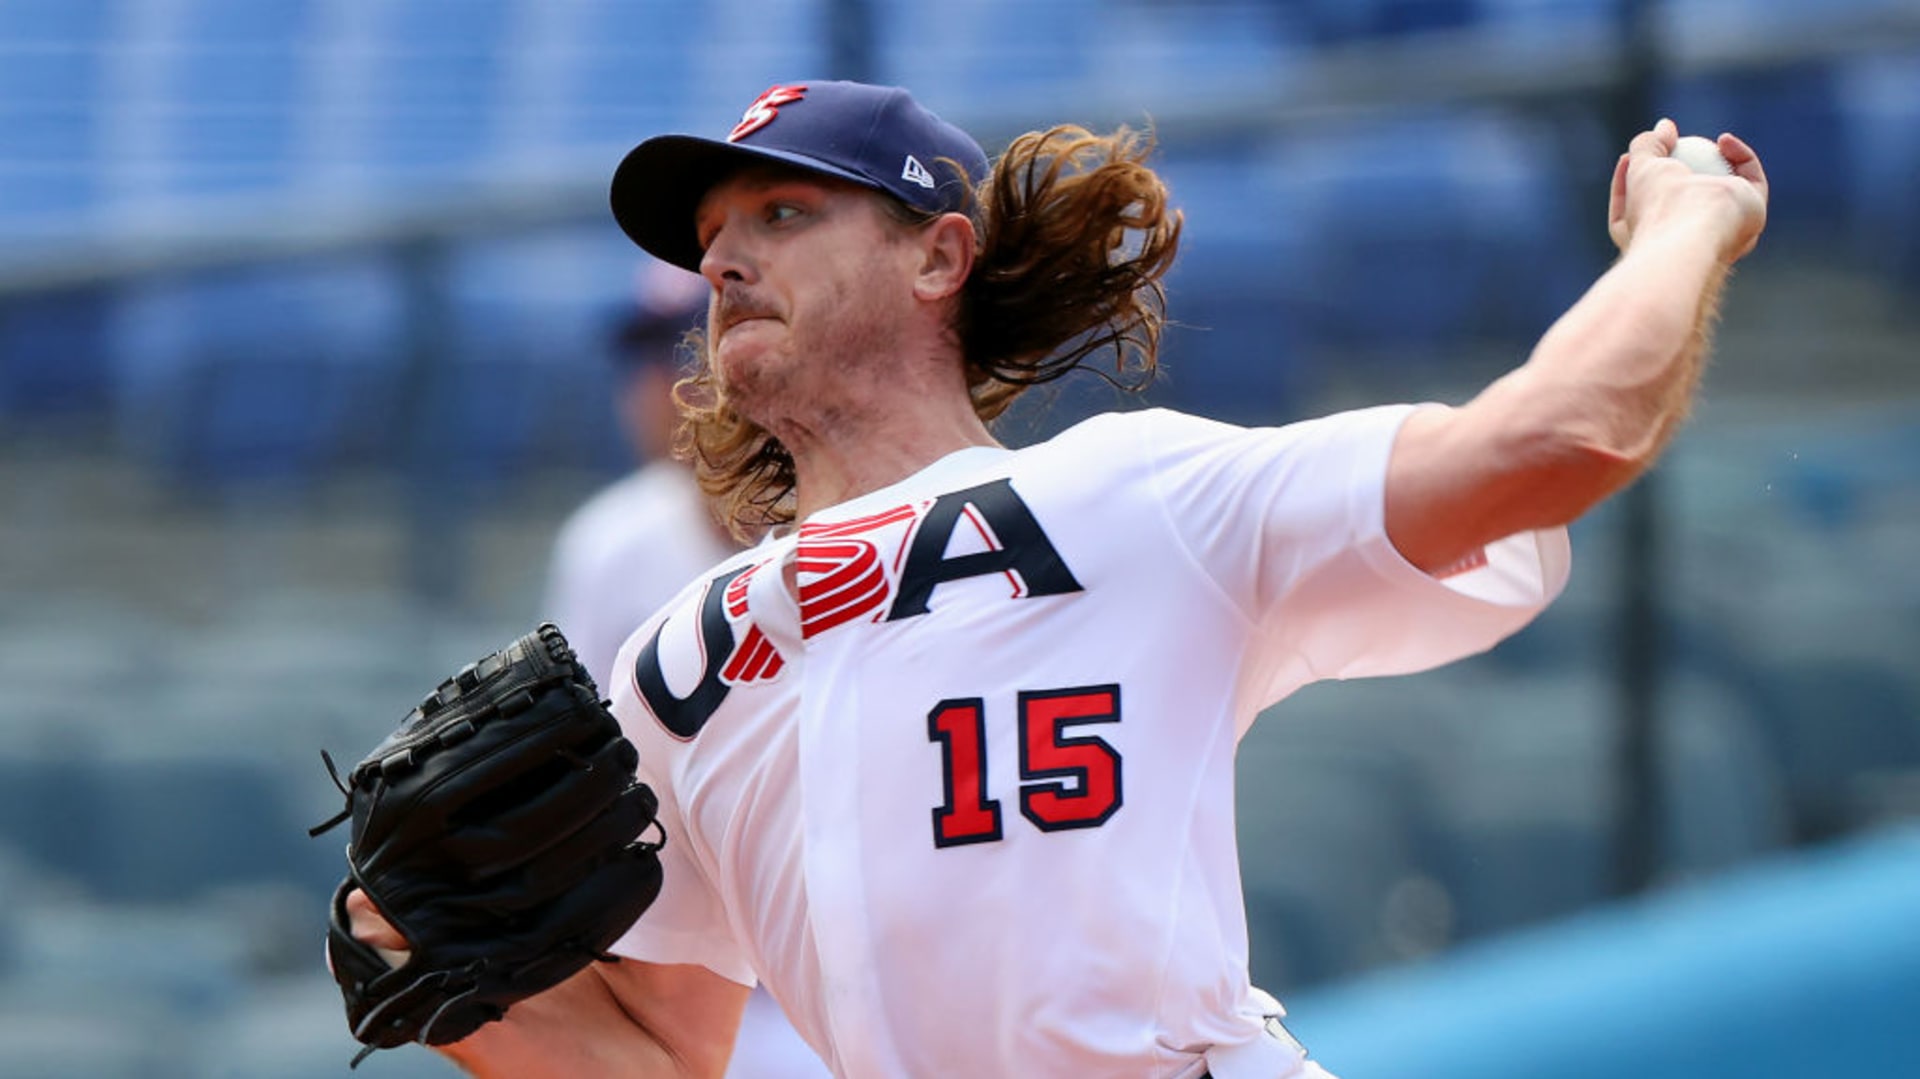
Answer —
(636, 542)
(947, 759)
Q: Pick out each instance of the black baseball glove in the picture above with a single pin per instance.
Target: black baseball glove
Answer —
(497, 830)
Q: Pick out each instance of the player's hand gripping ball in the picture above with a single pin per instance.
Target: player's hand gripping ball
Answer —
(497, 830)
(1702, 155)
(1719, 182)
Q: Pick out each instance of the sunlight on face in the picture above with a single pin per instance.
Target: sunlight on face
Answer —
(812, 287)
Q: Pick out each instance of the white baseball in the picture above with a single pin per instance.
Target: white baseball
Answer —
(1701, 155)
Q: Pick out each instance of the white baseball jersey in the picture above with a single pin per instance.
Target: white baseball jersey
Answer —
(965, 801)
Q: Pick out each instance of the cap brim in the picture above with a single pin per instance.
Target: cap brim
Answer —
(658, 187)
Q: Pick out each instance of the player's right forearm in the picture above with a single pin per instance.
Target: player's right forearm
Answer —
(1617, 372)
(1588, 412)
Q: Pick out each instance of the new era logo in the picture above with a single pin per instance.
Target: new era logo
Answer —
(916, 173)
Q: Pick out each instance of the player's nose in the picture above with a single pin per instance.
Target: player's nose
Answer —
(726, 258)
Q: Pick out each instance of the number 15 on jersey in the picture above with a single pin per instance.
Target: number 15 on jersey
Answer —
(1067, 781)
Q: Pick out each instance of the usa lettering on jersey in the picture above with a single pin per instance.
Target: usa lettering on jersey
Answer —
(884, 566)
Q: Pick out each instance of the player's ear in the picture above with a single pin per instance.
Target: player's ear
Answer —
(946, 257)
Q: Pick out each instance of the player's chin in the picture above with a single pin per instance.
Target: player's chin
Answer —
(749, 366)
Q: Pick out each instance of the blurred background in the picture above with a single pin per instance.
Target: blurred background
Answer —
(304, 321)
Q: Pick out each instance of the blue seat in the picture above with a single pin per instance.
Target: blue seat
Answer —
(438, 77)
(174, 828)
(1517, 771)
(47, 812)
(767, 41)
(1341, 21)
(261, 376)
(1328, 833)
(1545, 23)
(77, 1040)
(992, 54)
(290, 1028)
(180, 962)
(144, 829)
(54, 21)
(1792, 116)
(1233, 351)
(55, 357)
(51, 86)
(1832, 726)
(284, 422)
(1724, 794)
(1234, 297)
(1392, 254)
(1880, 131)
(231, 96)
(630, 71)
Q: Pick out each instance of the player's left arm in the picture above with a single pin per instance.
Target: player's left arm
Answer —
(1608, 384)
(625, 1018)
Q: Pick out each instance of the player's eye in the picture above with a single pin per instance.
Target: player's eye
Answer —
(780, 213)
(704, 233)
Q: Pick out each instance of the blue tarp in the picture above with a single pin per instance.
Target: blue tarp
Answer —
(1803, 967)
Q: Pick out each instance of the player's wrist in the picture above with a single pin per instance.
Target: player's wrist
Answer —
(1710, 218)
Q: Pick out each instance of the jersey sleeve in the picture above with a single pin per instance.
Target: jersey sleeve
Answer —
(687, 923)
(1290, 523)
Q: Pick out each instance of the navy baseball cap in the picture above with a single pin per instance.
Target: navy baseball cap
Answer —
(875, 136)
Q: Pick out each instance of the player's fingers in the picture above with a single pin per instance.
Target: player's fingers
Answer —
(1617, 203)
(369, 927)
(1746, 163)
(1656, 142)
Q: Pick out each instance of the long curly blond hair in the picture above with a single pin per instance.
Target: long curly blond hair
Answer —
(1075, 233)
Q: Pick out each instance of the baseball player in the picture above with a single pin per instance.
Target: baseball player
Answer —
(946, 760)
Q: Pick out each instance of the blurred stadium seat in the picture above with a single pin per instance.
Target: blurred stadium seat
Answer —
(192, 960)
(150, 829)
(261, 377)
(1723, 793)
(437, 80)
(984, 53)
(292, 1029)
(1795, 115)
(51, 82)
(1832, 728)
(225, 79)
(56, 357)
(1880, 119)
(86, 1039)
(1328, 831)
(1342, 21)
(1401, 249)
(602, 72)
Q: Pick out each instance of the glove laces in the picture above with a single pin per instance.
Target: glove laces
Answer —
(333, 773)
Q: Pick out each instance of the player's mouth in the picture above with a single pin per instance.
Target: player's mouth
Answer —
(736, 308)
